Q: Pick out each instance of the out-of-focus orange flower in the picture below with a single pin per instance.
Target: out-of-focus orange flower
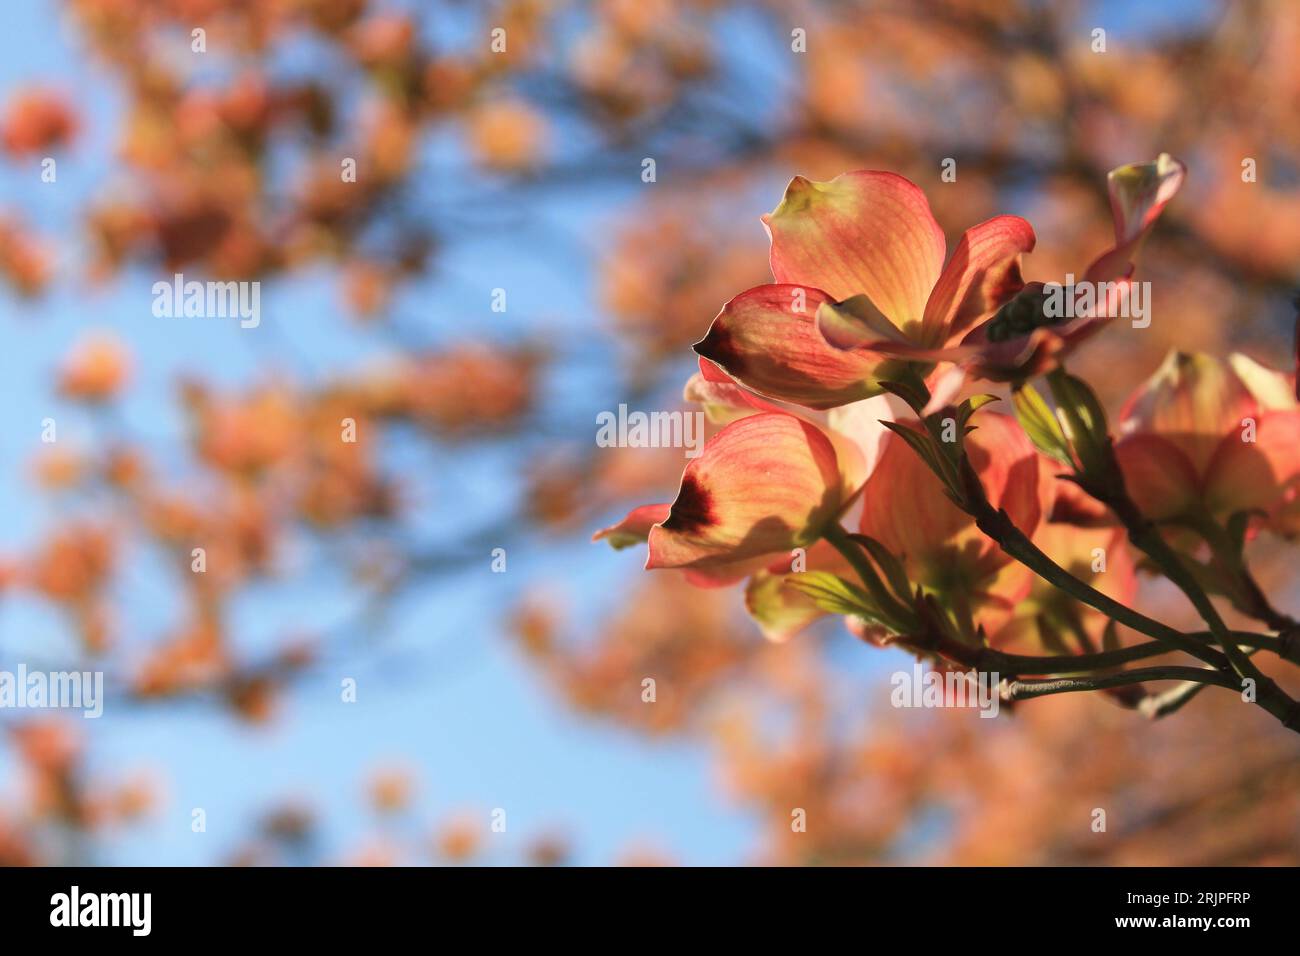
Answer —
(507, 135)
(643, 856)
(247, 435)
(467, 388)
(124, 468)
(290, 822)
(448, 82)
(47, 746)
(36, 120)
(253, 697)
(14, 847)
(135, 797)
(374, 855)
(367, 287)
(193, 659)
(550, 850)
(58, 468)
(459, 838)
(383, 40)
(73, 563)
(24, 261)
(390, 141)
(96, 370)
(391, 789)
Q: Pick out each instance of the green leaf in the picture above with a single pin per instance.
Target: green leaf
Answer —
(889, 565)
(920, 443)
(1040, 425)
(972, 405)
(914, 393)
(1082, 420)
(834, 595)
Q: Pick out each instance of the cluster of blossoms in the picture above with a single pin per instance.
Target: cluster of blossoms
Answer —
(857, 473)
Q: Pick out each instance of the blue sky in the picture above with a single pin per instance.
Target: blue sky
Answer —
(448, 695)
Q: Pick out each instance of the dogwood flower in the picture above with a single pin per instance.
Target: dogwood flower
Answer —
(862, 290)
(723, 544)
(859, 262)
(765, 484)
(1207, 436)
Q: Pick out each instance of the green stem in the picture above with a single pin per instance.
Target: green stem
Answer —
(1147, 538)
(998, 526)
(989, 659)
(893, 609)
(1251, 598)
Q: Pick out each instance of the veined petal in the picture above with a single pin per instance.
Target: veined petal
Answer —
(858, 426)
(983, 273)
(633, 529)
(766, 483)
(995, 604)
(1008, 466)
(855, 323)
(1076, 550)
(725, 574)
(854, 429)
(763, 340)
(863, 232)
(904, 506)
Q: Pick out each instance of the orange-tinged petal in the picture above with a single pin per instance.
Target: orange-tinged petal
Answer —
(1139, 192)
(1272, 390)
(855, 323)
(1193, 401)
(1159, 476)
(634, 528)
(1076, 550)
(859, 437)
(904, 506)
(983, 273)
(854, 429)
(721, 398)
(863, 232)
(1008, 467)
(995, 603)
(725, 574)
(762, 340)
(1255, 475)
(766, 483)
